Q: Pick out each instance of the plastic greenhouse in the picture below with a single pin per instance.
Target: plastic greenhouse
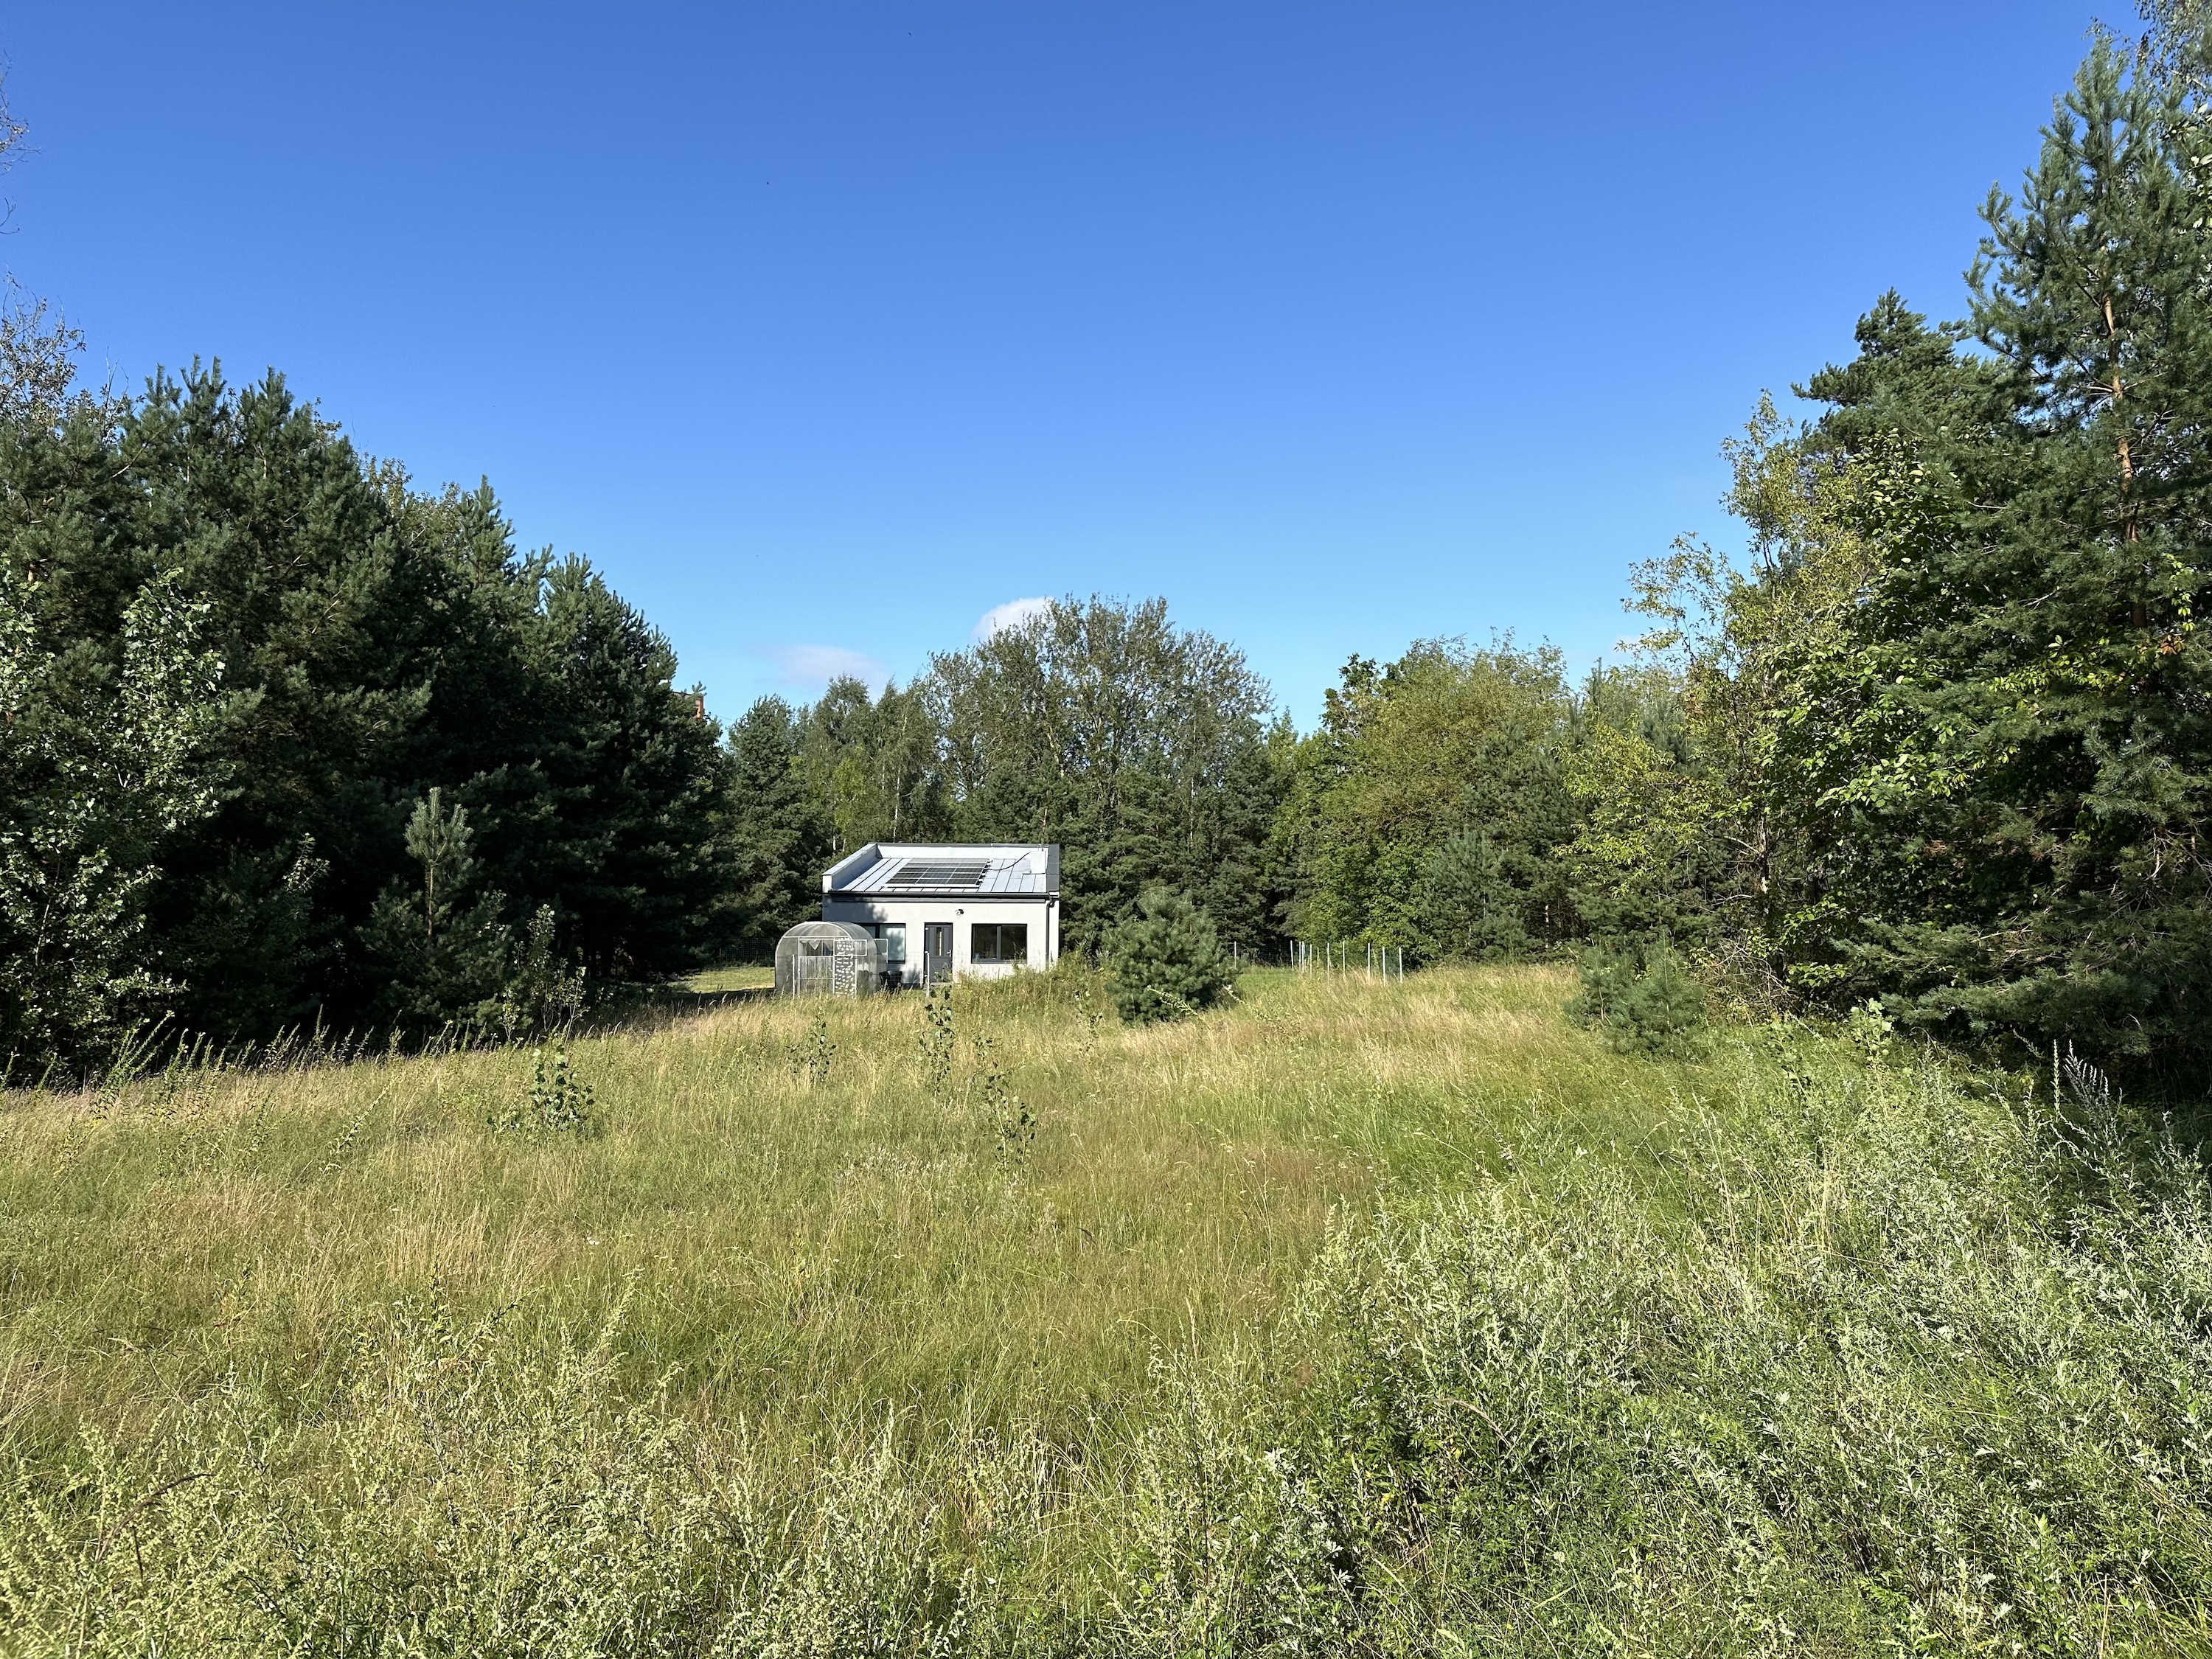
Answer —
(828, 958)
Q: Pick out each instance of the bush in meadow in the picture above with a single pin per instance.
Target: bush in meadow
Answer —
(1895, 1367)
(1166, 961)
(1642, 995)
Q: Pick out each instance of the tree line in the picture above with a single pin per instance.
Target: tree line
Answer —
(1150, 752)
(1942, 743)
(288, 739)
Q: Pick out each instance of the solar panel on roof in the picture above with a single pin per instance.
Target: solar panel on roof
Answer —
(964, 877)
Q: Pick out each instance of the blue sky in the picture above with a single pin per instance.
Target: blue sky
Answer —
(825, 329)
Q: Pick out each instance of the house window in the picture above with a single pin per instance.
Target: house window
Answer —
(999, 941)
(893, 934)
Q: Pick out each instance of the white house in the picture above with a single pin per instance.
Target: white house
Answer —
(950, 910)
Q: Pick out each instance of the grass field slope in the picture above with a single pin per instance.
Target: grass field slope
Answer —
(1354, 1317)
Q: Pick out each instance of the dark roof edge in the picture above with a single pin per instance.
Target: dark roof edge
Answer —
(871, 895)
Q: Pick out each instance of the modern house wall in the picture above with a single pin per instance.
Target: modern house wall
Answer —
(971, 888)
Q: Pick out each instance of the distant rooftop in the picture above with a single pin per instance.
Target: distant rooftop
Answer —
(938, 870)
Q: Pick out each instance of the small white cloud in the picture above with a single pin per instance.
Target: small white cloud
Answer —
(1013, 614)
(817, 665)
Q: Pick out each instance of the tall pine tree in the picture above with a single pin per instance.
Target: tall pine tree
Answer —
(778, 833)
(371, 645)
(1968, 681)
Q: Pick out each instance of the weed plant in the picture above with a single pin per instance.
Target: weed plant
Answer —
(1006, 1114)
(816, 1055)
(939, 1040)
(556, 1099)
(1352, 1319)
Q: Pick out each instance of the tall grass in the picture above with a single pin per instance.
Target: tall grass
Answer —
(1355, 1317)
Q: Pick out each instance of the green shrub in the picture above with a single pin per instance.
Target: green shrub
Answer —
(1642, 995)
(1893, 1368)
(556, 1098)
(1166, 961)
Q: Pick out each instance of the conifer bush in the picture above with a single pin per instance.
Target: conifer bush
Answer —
(1642, 995)
(1166, 961)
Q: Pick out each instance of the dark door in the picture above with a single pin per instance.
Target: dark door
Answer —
(936, 953)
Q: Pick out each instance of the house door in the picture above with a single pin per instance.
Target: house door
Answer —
(936, 953)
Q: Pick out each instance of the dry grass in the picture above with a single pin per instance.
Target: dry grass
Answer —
(1821, 1345)
(792, 1244)
(717, 980)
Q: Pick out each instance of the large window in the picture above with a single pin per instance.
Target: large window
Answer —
(893, 934)
(999, 941)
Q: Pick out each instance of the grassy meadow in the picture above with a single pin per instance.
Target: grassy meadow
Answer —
(1356, 1316)
(795, 1223)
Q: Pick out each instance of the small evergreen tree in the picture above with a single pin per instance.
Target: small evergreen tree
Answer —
(445, 965)
(1642, 995)
(1470, 907)
(1166, 961)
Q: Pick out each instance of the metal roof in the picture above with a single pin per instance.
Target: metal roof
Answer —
(995, 876)
(933, 872)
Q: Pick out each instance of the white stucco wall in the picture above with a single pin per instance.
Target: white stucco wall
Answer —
(1041, 915)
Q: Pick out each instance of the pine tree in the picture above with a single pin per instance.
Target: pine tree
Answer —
(1976, 696)
(375, 643)
(629, 774)
(776, 833)
(2047, 729)
(443, 965)
(1469, 906)
(1166, 961)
